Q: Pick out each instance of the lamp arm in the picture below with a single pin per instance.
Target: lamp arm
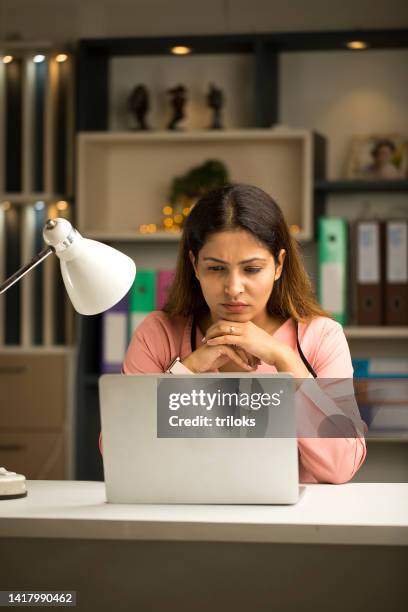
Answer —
(14, 278)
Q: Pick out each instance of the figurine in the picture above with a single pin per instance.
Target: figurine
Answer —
(139, 105)
(215, 100)
(178, 101)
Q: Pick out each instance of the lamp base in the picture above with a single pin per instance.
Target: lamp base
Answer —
(12, 485)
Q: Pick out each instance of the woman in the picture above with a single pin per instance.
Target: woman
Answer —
(242, 301)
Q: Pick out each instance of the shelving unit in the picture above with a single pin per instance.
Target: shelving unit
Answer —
(94, 58)
(118, 173)
(36, 335)
(36, 173)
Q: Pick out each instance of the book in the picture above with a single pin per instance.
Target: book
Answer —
(114, 336)
(164, 280)
(12, 297)
(381, 388)
(38, 274)
(381, 367)
(396, 275)
(368, 249)
(333, 266)
(142, 298)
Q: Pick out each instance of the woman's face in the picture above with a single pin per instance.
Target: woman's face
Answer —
(383, 155)
(236, 274)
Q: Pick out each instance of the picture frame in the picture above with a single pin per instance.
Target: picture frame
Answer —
(378, 157)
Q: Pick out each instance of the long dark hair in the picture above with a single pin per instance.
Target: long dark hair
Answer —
(249, 208)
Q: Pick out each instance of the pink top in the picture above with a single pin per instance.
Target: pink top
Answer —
(159, 339)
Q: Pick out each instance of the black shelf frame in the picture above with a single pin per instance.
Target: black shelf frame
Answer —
(359, 186)
(92, 112)
(93, 62)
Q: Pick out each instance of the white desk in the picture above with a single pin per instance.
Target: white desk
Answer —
(325, 548)
(355, 513)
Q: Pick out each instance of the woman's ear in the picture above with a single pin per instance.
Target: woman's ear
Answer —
(279, 265)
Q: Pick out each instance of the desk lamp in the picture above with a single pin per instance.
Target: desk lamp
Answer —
(96, 277)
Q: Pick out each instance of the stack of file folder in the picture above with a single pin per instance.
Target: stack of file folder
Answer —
(148, 293)
(363, 271)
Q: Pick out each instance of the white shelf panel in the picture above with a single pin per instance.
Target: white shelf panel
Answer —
(377, 333)
(124, 178)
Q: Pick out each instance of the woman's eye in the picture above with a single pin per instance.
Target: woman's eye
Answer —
(250, 270)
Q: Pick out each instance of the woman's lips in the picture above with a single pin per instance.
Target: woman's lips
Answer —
(235, 307)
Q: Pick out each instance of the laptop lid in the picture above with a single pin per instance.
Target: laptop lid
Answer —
(226, 438)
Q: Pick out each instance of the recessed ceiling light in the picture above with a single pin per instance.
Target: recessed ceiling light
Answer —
(61, 57)
(7, 59)
(356, 44)
(38, 58)
(180, 50)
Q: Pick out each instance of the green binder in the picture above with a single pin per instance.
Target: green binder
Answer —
(142, 298)
(333, 266)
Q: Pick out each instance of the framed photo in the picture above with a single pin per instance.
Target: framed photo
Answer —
(378, 157)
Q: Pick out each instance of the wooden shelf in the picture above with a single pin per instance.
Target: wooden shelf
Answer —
(23, 198)
(377, 333)
(350, 186)
(134, 236)
(124, 177)
(387, 437)
(44, 349)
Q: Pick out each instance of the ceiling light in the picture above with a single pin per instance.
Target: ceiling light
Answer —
(61, 57)
(180, 50)
(356, 44)
(7, 59)
(38, 58)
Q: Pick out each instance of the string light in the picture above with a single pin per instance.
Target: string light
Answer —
(61, 205)
(294, 229)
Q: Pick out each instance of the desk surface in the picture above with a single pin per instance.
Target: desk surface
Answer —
(353, 513)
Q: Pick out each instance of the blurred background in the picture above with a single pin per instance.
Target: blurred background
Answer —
(118, 114)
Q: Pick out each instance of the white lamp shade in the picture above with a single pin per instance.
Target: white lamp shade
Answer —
(98, 277)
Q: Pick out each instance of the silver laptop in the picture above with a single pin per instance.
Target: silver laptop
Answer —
(227, 438)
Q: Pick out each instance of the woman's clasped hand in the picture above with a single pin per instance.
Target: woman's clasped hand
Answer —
(243, 343)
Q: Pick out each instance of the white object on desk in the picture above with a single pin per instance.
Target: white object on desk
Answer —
(12, 485)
